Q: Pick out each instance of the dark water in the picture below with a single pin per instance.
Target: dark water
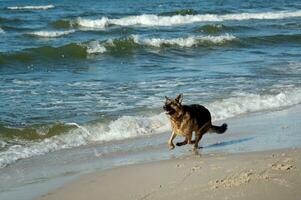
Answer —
(77, 72)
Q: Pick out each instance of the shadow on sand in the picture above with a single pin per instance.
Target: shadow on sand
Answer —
(226, 143)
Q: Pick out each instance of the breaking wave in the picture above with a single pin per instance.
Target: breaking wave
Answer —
(126, 45)
(43, 139)
(245, 103)
(185, 42)
(122, 128)
(118, 45)
(44, 7)
(155, 20)
(50, 34)
(123, 46)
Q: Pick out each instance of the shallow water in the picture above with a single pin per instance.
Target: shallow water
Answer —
(73, 75)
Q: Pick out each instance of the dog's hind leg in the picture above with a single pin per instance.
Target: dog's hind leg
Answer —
(198, 137)
(189, 137)
(199, 134)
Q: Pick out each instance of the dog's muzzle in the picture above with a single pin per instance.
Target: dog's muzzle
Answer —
(168, 109)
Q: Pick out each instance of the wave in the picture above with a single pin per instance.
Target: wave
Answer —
(61, 24)
(33, 133)
(180, 12)
(118, 45)
(1, 31)
(43, 7)
(43, 139)
(95, 47)
(219, 28)
(135, 41)
(96, 23)
(72, 50)
(155, 20)
(10, 20)
(51, 34)
(243, 103)
(273, 39)
(123, 46)
(185, 42)
(81, 135)
(211, 28)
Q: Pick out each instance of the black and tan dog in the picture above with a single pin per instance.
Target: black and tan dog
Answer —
(186, 119)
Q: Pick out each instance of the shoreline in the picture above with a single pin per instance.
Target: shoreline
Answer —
(252, 156)
(263, 131)
(261, 175)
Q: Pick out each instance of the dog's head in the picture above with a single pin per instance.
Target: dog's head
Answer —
(173, 107)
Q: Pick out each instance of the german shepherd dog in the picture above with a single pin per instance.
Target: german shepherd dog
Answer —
(186, 119)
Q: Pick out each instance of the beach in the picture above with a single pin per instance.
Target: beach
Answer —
(259, 175)
(261, 171)
(83, 85)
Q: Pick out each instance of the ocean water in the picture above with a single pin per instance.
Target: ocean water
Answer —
(76, 73)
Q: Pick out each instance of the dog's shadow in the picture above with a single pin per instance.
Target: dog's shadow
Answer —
(227, 143)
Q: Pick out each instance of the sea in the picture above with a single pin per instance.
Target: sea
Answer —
(92, 76)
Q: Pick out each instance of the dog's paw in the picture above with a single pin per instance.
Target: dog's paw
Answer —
(171, 146)
(196, 147)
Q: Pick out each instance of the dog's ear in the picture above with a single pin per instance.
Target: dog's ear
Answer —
(179, 98)
(167, 99)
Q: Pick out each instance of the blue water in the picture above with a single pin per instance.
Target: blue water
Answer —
(79, 72)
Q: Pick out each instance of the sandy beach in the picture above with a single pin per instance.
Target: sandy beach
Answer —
(259, 175)
(254, 169)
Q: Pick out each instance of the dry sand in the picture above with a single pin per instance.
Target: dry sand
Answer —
(258, 175)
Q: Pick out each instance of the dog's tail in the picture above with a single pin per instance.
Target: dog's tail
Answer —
(219, 129)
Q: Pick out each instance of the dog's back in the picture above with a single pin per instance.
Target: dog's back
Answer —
(198, 112)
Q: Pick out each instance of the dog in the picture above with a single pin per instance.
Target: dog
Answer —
(186, 119)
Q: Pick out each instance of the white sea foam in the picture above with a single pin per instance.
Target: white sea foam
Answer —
(244, 103)
(136, 126)
(95, 47)
(184, 42)
(122, 128)
(1, 31)
(51, 34)
(98, 47)
(25, 82)
(44, 7)
(2, 144)
(90, 23)
(155, 20)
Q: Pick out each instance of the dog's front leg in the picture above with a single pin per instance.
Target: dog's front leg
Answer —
(170, 141)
